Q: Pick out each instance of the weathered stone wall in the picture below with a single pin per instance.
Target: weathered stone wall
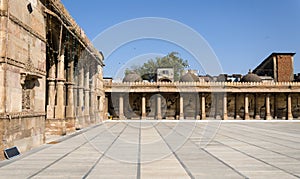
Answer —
(22, 73)
(21, 130)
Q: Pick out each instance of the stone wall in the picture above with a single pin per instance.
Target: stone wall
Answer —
(22, 73)
(22, 130)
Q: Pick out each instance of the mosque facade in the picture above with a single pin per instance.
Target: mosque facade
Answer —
(51, 83)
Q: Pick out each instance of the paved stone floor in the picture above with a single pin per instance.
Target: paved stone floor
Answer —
(167, 149)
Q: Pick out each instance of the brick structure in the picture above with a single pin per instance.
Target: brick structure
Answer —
(279, 66)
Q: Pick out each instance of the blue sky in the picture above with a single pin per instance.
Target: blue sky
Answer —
(241, 33)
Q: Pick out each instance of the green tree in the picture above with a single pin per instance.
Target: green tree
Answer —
(148, 70)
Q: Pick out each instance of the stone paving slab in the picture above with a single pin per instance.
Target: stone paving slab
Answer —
(167, 149)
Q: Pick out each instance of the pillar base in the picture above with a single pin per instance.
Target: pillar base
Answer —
(247, 117)
(144, 117)
(268, 117)
(70, 125)
(50, 112)
(181, 116)
(290, 117)
(59, 112)
(122, 117)
(203, 116)
(225, 116)
(69, 111)
(55, 127)
(218, 117)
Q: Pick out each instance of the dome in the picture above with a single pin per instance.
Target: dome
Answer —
(132, 77)
(189, 77)
(251, 77)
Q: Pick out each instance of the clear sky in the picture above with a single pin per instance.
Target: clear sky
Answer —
(241, 33)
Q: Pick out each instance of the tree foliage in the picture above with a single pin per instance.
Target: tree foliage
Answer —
(149, 69)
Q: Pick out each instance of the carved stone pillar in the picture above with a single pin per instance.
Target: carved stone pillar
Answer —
(105, 108)
(225, 117)
(159, 107)
(289, 107)
(268, 111)
(203, 113)
(92, 96)
(60, 104)
(237, 115)
(80, 87)
(51, 98)
(70, 100)
(87, 95)
(217, 115)
(51, 90)
(197, 106)
(246, 116)
(101, 107)
(181, 114)
(121, 107)
(257, 115)
(143, 107)
(275, 106)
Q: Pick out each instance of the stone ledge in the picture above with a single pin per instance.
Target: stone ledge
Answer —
(21, 115)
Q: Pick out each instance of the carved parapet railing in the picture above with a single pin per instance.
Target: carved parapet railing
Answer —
(202, 86)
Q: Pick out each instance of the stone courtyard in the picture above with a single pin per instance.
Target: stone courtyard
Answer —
(167, 149)
(56, 106)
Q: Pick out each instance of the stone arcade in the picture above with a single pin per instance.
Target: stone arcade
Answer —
(255, 96)
(50, 74)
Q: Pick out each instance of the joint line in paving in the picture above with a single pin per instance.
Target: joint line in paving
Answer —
(104, 153)
(266, 132)
(176, 156)
(138, 175)
(258, 146)
(223, 162)
(259, 159)
(65, 155)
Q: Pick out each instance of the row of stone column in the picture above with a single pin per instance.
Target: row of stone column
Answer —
(65, 93)
(257, 116)
(158, 107)
(203, 110)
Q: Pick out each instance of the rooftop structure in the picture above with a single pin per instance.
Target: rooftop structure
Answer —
(278, 65)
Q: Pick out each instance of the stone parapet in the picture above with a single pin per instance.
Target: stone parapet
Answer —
(202, 87)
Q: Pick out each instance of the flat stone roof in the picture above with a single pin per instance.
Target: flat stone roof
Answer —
(167, 149)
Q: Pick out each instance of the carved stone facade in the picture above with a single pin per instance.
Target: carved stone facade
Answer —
(50, 74)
